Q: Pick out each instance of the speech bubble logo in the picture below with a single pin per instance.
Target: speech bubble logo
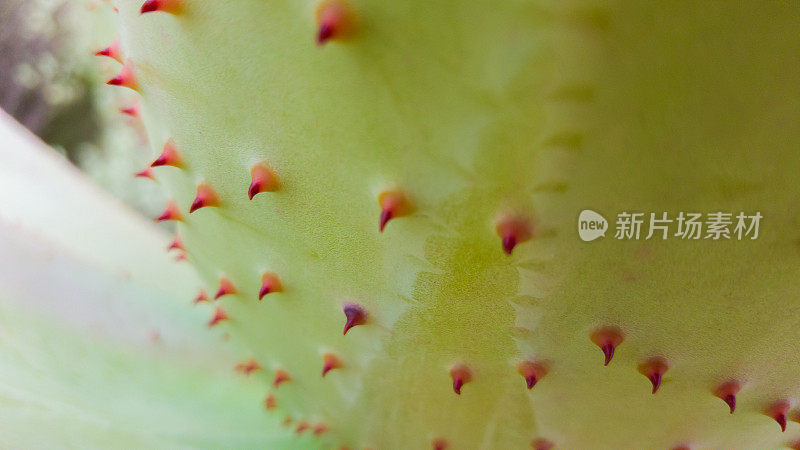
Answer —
(591, 225)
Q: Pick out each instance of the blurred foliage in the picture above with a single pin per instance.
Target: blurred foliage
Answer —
(51, 82)
(42, 83)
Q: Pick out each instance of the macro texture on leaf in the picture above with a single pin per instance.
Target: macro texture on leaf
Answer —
(491, 125)
(381, 199)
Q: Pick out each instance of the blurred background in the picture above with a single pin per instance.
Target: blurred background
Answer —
(52, 83)
(98, 331)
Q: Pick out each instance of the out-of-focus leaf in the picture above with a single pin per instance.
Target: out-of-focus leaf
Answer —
(99, 345)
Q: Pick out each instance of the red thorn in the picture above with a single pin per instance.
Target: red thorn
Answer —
(132, 110)
(607, 338)
(112, 51)
(302, 426)
(263, 179)
(542, 444)
(727, 392)
(181, 257)
(532, 372)
(439, 444)
(461, 375)
(781, 419)
(287, 421)
(219, 316)
(247, 367)
(201, 297)
(325, 32)
(795, 445)
(513, 231)
(269, 283)
(206, 196)
(281, 376)
(778, 411)
(334, 21)
(146, 173)
(655, 378)
(125, 78)
(320, 429)
(171, 212)
(330, 362)
(509, 242)
(653, 368)
(169, 156)
(608, 353)
(354, 314)
(226, 287)
(270, 402)
(730, 399)
(393, 204)
(176, 244)
(386, 215)
(168, 6)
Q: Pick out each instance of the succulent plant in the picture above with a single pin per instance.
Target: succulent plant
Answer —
(382, 201)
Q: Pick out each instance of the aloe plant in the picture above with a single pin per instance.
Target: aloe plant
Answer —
(382, 201)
